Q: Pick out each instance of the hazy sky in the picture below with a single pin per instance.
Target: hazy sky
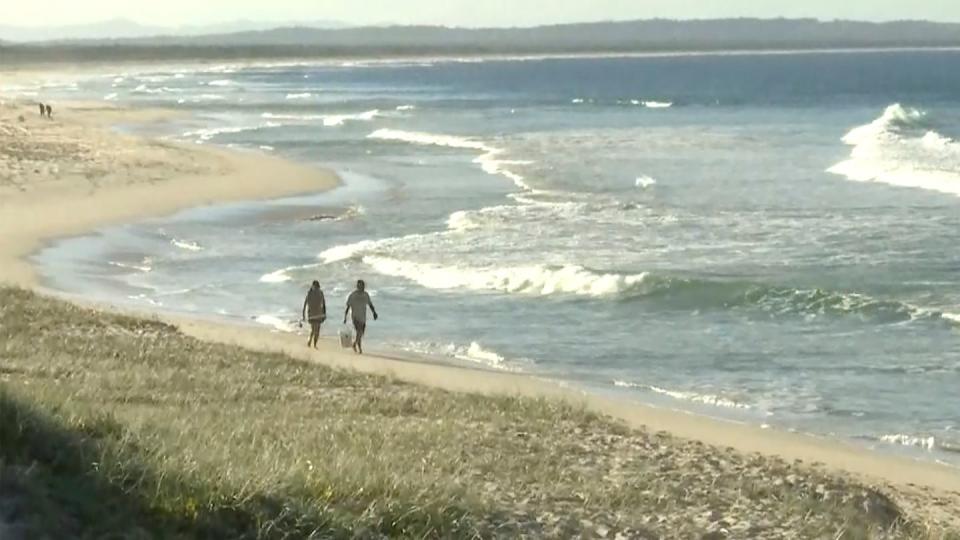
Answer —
(460, 12)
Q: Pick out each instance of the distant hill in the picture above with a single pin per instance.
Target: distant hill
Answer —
(127, 29)
(654, 35)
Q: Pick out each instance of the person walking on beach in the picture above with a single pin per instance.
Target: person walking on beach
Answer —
(43, 110)
(49, 111)
(315, 312)
(357, 304)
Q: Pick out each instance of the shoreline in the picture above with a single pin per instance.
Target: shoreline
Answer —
(33, 214)
(143, 178)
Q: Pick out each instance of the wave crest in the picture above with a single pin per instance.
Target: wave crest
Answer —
(488, 159)
(474, 353)
(328, 120)
(537, 279)
(706, 399)
(899, 149)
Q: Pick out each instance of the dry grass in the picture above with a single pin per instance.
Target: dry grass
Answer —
(115, 427)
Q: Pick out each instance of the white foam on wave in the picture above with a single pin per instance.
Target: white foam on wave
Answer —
(892, 150)
(221, 82)
(283, 275)
(145, 268)
(488, 159)
(278, 276)
(347, 251)
(473, 353)
(706, 399)
(276, 323)
(340, 119)
(110, 97)
(953, 317)
(406, 107)
(203, 135)
(329, 120)
(535, 279)
(646, 103)
(926, 443)
(146, 299)
(186, 244)
(530, 208)
(301, 95)
(462, 220)
(644, 181)
(152, 78)
(428, 139)
(144, 89)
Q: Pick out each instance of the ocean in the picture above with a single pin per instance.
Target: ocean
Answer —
(766, 238)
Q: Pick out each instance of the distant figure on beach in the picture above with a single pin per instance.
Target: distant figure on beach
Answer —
(357, 304)
(49, 111)
(43, 110)
(315, 312)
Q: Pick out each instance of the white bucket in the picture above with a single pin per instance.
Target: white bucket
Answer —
(346, 337)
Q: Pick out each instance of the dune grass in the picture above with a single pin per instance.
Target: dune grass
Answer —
(118, 427)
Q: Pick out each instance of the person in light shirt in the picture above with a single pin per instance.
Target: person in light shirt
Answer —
(357, 304)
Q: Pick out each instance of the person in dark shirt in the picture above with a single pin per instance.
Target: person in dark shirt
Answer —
(315, 312)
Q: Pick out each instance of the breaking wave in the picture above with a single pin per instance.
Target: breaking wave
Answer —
(536, 279)
(144, 89)
(329, 120)
(283, 275)
(928, 443)
(206, 134)
(276, 323)
(644, 181)
(899, 149)
(663, 292)
(203, 97)
(144, 267)
(646, 103)
(657, 104)
(277, 276)
(302, 95)
(473, 353)
(488, 160)
(340, 119)
(186, 244)
(706, 399)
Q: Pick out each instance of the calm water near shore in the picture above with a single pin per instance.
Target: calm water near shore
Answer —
(765, 238)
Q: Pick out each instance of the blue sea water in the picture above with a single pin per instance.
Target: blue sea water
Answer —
(768, 238)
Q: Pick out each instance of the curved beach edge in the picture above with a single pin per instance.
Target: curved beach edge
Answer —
(73, 174)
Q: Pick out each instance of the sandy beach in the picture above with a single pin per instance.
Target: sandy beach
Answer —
(72, 173)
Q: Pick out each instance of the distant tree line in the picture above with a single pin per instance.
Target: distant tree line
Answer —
(610, 37)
